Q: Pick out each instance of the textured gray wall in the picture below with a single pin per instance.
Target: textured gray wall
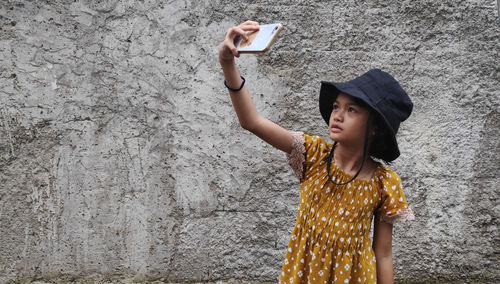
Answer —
(120, 154)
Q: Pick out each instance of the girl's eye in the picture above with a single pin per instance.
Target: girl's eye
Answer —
(335, 107)
(351, 109)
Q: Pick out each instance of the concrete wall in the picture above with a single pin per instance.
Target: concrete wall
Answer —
(121, 157)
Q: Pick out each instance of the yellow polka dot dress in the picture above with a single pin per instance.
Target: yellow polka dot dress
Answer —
(330, 242)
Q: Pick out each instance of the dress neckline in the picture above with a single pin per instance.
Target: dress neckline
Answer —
(345, 176)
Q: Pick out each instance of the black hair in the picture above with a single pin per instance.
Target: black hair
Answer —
(379, 146)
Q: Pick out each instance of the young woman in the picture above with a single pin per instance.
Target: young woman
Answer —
(342, 187)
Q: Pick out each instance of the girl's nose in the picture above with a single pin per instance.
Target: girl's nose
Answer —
(338, 115)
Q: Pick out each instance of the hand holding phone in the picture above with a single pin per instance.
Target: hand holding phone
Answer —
(247, 37)
(259, 41)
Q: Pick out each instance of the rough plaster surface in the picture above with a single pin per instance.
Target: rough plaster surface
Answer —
(120, 154)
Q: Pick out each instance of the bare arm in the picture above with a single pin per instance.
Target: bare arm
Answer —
(243, 104)
(382, 246)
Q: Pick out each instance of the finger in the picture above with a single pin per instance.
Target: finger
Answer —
(234, 51)
(240, 32)
(233, 32)
(230, 46)
(250, 22)
(249, 27)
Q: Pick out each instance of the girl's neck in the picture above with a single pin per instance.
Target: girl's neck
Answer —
(350, 159)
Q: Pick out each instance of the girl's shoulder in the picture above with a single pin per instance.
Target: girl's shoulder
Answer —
(311, 141)
(308, 152)
(386, 175)
(310, 145)
(385, 172)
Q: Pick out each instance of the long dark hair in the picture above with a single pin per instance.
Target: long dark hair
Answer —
(378, 146)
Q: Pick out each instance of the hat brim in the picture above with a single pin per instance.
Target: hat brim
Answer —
(329, 92)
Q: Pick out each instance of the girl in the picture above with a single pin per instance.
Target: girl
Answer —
(342, 187)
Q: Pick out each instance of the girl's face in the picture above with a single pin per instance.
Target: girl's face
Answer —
(348, 121)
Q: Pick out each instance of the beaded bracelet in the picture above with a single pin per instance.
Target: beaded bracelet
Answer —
(235, 90)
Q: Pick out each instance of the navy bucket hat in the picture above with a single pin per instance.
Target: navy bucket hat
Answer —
(381, 92)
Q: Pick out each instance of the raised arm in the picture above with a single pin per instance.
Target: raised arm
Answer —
(243, 104)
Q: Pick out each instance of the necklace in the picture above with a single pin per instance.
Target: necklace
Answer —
(329, 162)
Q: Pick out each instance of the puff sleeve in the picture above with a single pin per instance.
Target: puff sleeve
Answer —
(307, 152)
(393, 206)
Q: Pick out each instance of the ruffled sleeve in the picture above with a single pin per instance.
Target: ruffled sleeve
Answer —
(306, 152)
(296, 157)
(394, 207)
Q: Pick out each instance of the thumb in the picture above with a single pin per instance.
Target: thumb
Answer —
(235, 52)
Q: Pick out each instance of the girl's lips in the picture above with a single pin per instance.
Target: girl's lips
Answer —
(335, 128)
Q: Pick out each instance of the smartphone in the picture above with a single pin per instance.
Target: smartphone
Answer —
(259, 41)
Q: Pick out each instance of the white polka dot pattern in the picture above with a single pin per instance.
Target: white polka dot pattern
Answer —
(330, 242)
